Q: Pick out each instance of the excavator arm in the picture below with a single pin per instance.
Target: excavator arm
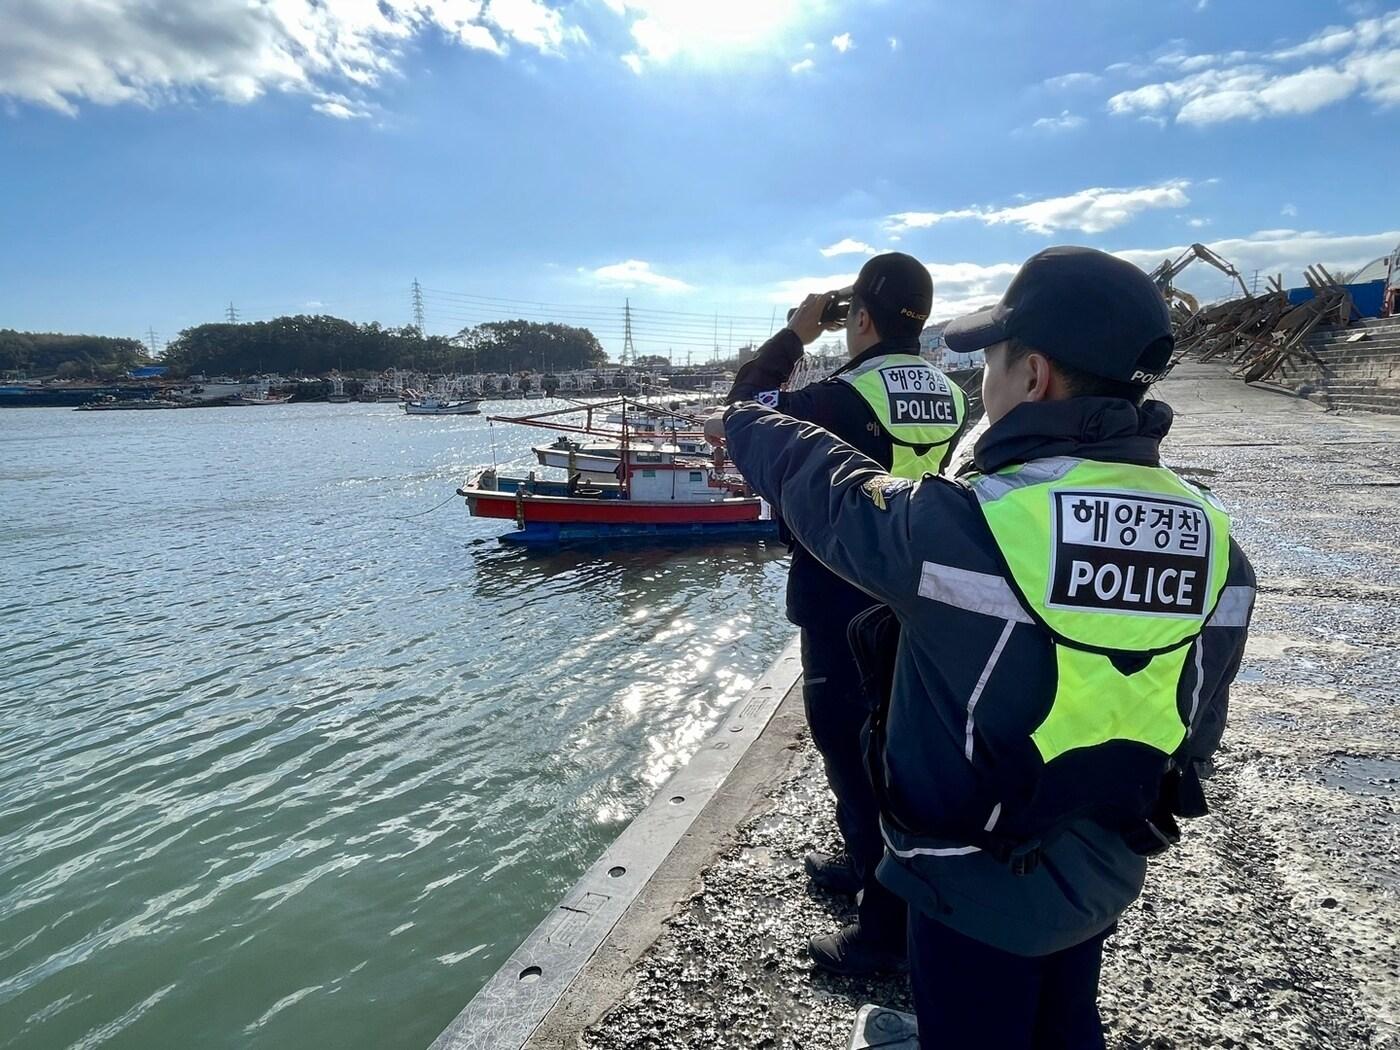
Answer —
(1168, 271)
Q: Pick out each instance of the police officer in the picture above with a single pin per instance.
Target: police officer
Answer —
(1071, 613)
(894, 407)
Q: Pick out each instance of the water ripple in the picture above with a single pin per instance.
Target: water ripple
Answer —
(278, 768)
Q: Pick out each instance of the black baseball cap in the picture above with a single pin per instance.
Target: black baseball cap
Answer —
(899, 283)
(1083, 308)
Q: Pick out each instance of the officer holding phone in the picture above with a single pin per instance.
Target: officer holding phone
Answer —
(906, 415)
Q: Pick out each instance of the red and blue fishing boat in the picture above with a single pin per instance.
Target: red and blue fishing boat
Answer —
(653, 492)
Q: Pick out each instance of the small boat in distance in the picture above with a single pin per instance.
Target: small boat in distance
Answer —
(260, 397)
(108, 403)
(433, 406)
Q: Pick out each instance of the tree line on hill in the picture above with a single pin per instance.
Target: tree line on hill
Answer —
(316, 345)
(68, 356)
(309, 345)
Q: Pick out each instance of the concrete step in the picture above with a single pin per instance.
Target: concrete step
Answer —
(1339, 353)
(1353, 354)
(1380, 406)
(1346, 338)
(1389, 342)
(1368, 347)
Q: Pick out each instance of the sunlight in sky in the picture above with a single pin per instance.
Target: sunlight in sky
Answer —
(703, 29)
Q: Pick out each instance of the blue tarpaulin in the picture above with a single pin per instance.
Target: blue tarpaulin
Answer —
(1369, 297)
(148, 372)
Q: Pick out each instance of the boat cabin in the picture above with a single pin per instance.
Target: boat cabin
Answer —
(666, 482)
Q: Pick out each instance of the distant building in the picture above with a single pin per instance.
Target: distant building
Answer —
(932, 346)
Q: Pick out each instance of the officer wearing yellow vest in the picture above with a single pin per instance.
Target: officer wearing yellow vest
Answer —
(894, 407)
(1070, 615)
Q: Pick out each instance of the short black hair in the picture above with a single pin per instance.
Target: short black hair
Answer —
(1079, 382)
(889, 323)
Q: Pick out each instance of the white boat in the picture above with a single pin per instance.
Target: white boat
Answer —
(600, 459)
(260, 398)
(433, 406)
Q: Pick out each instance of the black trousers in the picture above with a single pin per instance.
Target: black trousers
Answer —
(837, 715)
(969, 995)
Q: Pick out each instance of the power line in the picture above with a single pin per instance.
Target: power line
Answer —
(589, 315)
(231, 314)
(418, 306)
(651, 331)
(576, 306)
(611, 332)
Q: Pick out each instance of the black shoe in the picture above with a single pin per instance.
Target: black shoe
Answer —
(836, 874)
(848, 953)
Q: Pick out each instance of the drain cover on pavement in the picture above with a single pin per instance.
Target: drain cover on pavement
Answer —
(877, 1026)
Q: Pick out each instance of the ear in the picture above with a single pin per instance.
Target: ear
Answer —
(865, 324)
(1040, 377)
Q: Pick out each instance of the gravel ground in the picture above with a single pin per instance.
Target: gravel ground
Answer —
(1273, 925)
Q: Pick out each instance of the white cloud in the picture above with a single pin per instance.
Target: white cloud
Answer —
(1088, 211)
(1289, 210)
(848, 246)
(843, 43)
(634, 273)
(667, 30)
(1066, 121)
(1360, 60)
(1197, 223)
(341, 108)
(1072, 80)
(109, 52)
(894, 43)
(806, 65)
(532, 23)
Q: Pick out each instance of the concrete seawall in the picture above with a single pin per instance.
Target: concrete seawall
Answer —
(1271, 926)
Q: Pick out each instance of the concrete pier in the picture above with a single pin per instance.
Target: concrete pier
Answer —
(1272, 926)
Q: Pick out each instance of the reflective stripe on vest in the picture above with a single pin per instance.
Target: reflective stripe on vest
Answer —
(1115, 560)
(919, 409)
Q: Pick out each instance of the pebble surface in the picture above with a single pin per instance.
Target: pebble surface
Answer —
(1274, 923)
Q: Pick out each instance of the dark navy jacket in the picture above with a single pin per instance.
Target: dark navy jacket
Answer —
(925, 550)
(816, 597)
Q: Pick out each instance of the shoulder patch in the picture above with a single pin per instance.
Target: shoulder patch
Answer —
(882, 486)
(768, 399)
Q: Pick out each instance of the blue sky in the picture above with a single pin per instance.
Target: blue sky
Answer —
(551, 159)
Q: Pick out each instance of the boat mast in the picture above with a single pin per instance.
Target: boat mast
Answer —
(626, 479)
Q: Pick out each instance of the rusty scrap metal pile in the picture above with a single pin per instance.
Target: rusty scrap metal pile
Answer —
(1260, 335)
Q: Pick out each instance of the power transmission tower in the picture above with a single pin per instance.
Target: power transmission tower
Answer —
(418, 306)
(629, 352)
(231, 313)
(153, 342)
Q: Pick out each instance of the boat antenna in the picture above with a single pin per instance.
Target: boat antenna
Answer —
(491, 430)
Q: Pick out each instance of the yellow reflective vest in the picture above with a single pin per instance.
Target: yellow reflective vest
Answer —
(919, 409)
(1122, 565)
